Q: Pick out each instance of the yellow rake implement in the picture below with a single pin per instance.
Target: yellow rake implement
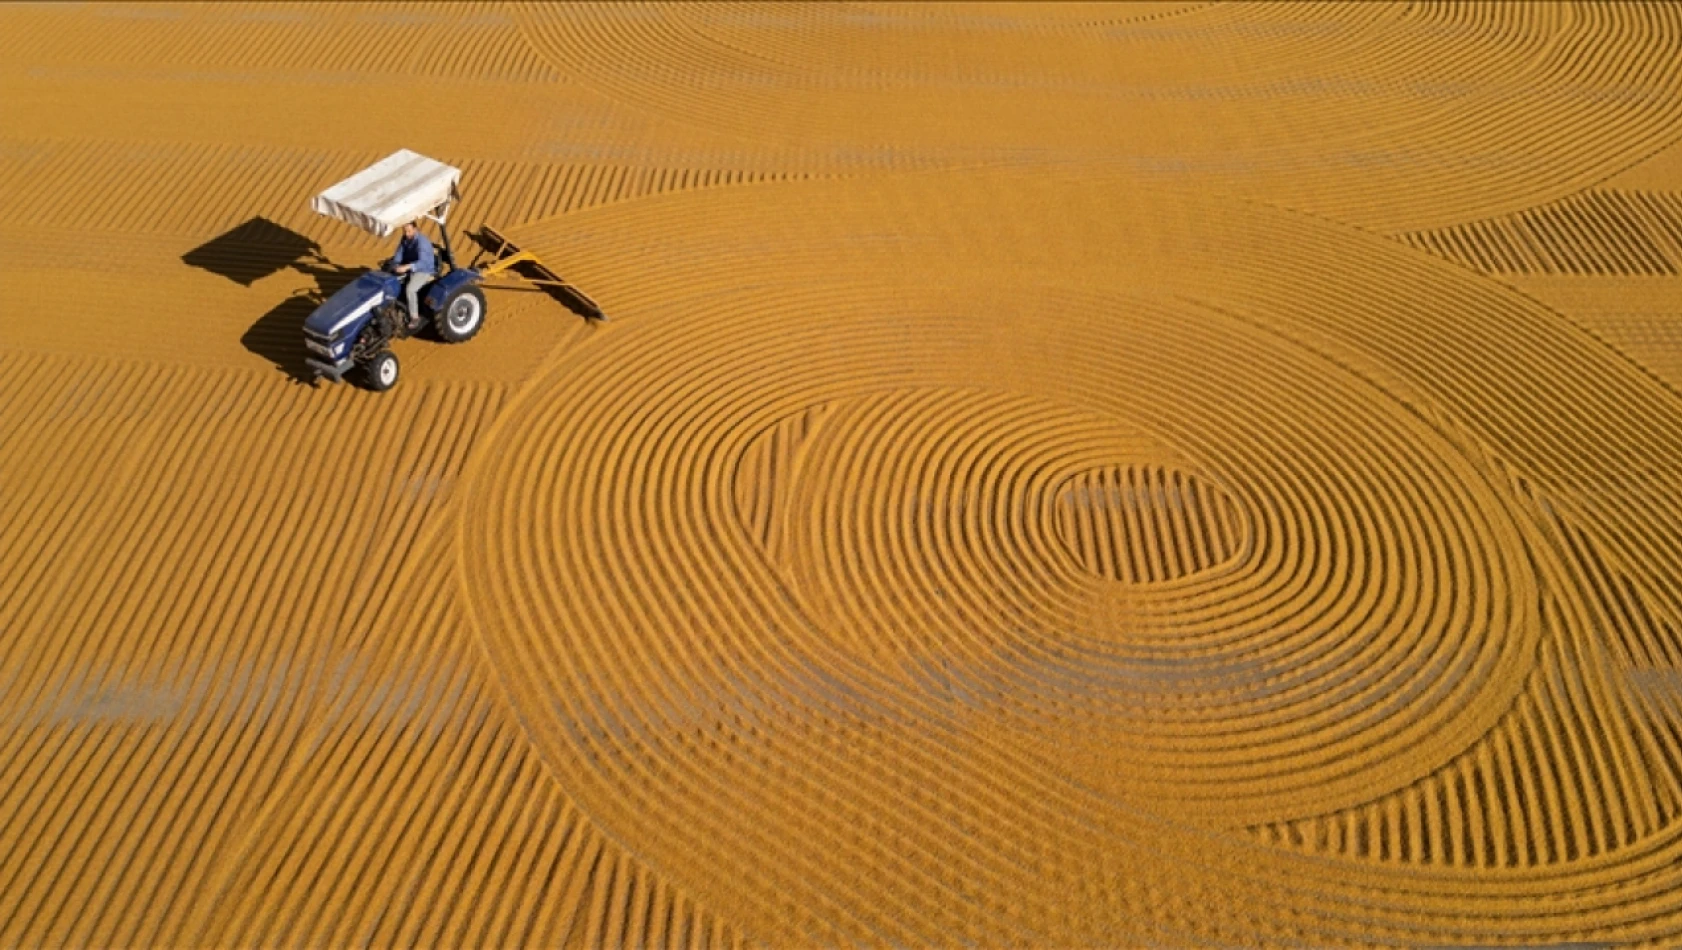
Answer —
(507, 258)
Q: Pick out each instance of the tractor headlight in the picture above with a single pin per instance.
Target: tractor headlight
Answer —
(326, 348)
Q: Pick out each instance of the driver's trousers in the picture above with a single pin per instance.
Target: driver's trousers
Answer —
(411, 291)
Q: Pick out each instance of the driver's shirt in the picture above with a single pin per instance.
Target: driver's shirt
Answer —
(417, 252)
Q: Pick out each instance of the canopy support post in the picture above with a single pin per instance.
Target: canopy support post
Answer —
(441, 213)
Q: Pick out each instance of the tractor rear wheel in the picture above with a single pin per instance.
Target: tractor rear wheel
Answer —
(461, 316)
(380, 371)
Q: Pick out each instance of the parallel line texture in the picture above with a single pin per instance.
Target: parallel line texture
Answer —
(1598, 233)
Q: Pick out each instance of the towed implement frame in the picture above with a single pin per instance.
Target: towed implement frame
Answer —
(505, 257)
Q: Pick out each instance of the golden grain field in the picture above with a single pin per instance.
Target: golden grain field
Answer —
(1057, 475)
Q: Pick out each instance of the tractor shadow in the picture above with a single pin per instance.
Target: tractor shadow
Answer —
(260, 248)
(278, 336)
(251, 251)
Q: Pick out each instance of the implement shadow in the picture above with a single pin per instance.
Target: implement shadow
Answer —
(544, 280)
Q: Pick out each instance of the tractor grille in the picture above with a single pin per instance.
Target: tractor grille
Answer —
(318, 343)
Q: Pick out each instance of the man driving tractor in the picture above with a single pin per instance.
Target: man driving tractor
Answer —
(414, 259)
(353, 329)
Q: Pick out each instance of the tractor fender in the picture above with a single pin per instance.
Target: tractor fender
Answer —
(440, 290)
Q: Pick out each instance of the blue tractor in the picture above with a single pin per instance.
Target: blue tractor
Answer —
(352, 331)
(354, 328)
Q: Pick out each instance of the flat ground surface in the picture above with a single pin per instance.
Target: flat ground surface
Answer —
(1160, 474)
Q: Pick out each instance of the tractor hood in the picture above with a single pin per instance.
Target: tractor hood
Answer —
(351, 306)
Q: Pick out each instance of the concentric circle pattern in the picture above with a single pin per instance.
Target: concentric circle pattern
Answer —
(1057, 475)
(1146, 523)
(843, 595)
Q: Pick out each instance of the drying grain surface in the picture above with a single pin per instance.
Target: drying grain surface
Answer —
(1058, 475)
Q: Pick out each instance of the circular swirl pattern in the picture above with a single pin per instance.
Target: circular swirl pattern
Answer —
(789, 593)
(1232, 687)
(1145, 523)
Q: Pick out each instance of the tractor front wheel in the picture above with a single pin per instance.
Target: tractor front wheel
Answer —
(379, 373)
(461, 316)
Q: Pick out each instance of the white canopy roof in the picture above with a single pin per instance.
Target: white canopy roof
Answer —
(395, 190)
